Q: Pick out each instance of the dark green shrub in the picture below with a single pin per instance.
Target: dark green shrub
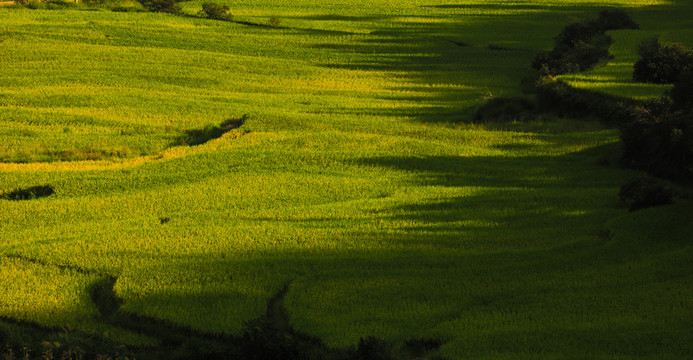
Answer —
(661, 65)
(164, 6)
(682, 94)
(643, 191)
(216, 11)
(579, 47)
(505, 110)
(35, 5)
(126, 9)
(263, 339)
(57, 4)
(659, 140)
(574, 33)
(564, 100)
(613, 19)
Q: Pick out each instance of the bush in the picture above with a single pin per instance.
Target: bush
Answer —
(659, 140)
(164, 6)
(579, 47)
(613, 19)
(263, 339)
(563, 100)
(643, 191)
(35, 5)
(661, 65)
(57, 4)
(216, 11)
(682, 94)
(126, 9)
(574, 33)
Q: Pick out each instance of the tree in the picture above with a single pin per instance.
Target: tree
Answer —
(661, 65)
(216, 11)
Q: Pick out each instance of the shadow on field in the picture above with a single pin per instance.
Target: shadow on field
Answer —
(30, 193)
(194, 137)
(495, 6)
(539, 172)
(578, 290)
(423, 49)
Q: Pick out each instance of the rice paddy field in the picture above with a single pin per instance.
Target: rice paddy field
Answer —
(354, 174)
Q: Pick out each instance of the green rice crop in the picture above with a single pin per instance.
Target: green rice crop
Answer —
(357, 178)
(55, 297)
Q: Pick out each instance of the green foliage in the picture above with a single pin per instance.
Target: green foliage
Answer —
(163, 6)
(34, 5)
(579, 47)
(643, 191)
(661, 65)
(61, 3)
(560, 98)
(126, 9)
(682, 94)
(615, 19)
(263, 340)
(582, 45)
(48, 5)
(660, 141)
(216, 11)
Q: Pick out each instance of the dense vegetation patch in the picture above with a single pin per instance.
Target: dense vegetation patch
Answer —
(216, 12)
(162, 6)
(661, 64)
(582, 45)
(659, 139)
(560, 98)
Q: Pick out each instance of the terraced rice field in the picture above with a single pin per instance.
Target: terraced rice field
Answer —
(355, 176)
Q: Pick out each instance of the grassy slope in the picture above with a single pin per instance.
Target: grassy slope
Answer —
(353, 182)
